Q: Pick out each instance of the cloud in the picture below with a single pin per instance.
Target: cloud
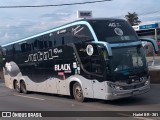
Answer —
(19, 23)
(45, 25)
(55, 14)
(6, 38)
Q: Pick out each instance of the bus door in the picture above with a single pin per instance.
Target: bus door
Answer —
(93, 68)
(98, 69)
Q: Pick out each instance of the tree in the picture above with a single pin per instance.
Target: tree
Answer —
(132, 18)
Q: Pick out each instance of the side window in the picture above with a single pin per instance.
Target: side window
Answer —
(25, 46)
(96, 61)
(50, 44)
(4, 51)
(40, 42)
(46, 42)
(29, 45)
(68, 36)
(35, 44)
(52, 41)
(105, 57)
(9, 50)
(62, 37)
(81, 33)
(91, 63)
(57, 38)
(104, 53)
(17, 48)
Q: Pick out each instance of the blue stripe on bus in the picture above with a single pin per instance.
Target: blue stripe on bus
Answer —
(107, 45)
(56, 29)
(125, 44)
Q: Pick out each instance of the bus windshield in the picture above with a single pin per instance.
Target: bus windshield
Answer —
(113, 31)
(128, 59)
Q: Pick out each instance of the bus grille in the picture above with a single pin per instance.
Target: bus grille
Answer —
(133, 86)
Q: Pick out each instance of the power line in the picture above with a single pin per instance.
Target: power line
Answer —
(55, 5)
(151, 12)
(141, 14)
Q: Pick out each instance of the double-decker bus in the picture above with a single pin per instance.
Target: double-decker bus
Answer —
(88, 58)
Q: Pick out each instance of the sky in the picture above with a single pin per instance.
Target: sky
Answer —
(18, 23)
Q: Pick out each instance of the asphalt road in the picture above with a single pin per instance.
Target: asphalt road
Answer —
(12, 101)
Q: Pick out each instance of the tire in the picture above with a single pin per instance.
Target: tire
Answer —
(23, 87)
(77, 92)
(17, 87)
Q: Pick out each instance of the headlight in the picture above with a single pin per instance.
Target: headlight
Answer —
(118, 88)
(114, 86)
(147, 82)
(143, 79)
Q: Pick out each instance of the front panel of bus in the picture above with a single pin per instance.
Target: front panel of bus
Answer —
(127, 68)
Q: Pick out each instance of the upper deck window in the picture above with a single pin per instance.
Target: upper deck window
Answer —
(81, 33)
(113, 31)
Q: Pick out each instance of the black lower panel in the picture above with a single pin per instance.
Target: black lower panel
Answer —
(37, 74)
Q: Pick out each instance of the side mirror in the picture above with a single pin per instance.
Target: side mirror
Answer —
(153, 42)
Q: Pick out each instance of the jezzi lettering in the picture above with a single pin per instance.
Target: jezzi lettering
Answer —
(47, 55)
(77, 29)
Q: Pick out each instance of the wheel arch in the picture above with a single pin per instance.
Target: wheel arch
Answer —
(72, 82)
(23, 86)
(14, 81)
(23, 80)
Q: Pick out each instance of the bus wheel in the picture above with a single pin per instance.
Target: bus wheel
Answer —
(23, 87)
(77, 92)
(16, 86)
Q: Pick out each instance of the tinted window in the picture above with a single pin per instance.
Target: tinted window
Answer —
(42, 42)
(130, 58)
(26, 46)
(81, 33)
(45, 39)
(62, 37)
(113, 30)
(9, 50)
(17, 48)
(93, 63)
(52, 41)
(68, 36)
(58, 41)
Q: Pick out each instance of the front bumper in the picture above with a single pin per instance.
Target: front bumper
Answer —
(117, 94)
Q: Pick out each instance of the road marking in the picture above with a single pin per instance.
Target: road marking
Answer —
(29, 97)
(141, 118)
